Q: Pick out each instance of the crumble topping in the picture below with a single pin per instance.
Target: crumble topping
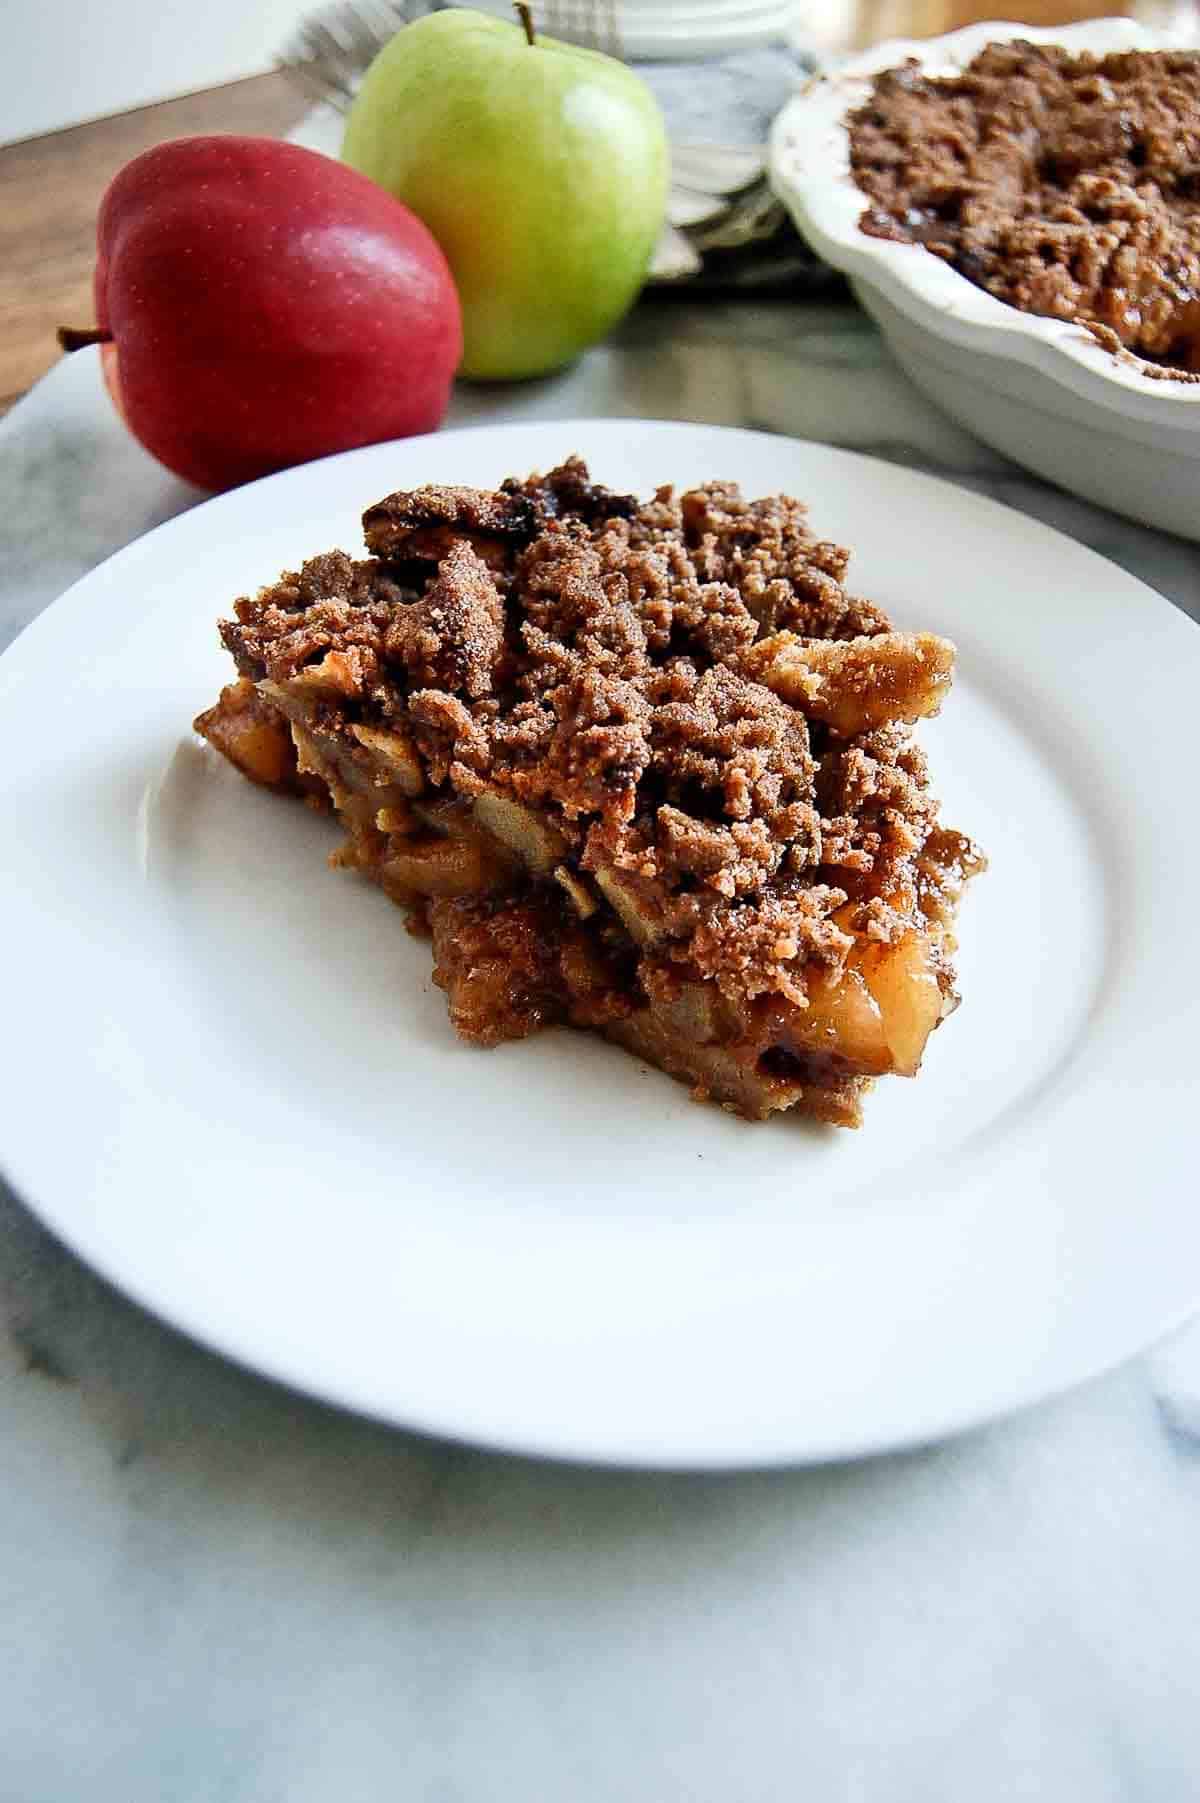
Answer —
(453, 637)
(425, 523)
(1067, 186)
(642, 768)
(763, 951)
(600, 661)
(788, 578)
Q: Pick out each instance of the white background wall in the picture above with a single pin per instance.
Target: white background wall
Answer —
(63, 61)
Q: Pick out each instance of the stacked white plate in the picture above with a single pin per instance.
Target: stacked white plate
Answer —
(662, 28)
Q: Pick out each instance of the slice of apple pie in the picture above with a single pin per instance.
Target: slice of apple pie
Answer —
(642, 767)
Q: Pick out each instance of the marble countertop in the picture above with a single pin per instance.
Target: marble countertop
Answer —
(213, 1589)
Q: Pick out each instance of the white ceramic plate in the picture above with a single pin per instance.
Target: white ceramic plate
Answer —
(232, 1087)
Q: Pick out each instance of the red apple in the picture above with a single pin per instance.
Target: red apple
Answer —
(260, 305)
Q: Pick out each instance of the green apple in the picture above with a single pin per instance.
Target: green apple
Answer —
(541, 169)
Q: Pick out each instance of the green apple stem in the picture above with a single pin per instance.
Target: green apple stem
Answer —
(72, 338)
(526, 17)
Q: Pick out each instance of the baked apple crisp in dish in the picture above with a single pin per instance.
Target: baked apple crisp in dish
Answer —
(647, 768)
(1017, 211)
(1066, 183)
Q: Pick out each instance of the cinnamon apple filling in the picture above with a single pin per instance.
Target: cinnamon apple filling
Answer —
(645, 768)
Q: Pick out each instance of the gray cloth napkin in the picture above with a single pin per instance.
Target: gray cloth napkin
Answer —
(728, 99)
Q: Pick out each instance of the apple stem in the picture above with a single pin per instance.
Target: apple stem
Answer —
(526, 17)
(73, 339)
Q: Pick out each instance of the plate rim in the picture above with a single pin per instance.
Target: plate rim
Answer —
(555, 1446)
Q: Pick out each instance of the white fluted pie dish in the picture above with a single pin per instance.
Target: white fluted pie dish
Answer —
(1042, 391)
